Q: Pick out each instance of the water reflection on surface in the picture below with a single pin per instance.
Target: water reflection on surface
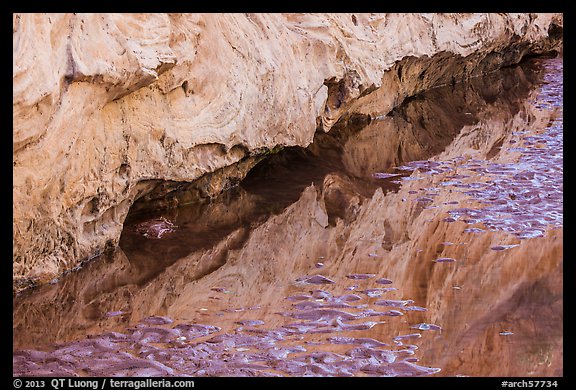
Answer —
(424, 242)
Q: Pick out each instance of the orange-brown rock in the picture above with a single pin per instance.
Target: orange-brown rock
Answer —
(437, 271)
(108, 107)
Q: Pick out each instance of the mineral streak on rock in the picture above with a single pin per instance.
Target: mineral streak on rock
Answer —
(109, 109)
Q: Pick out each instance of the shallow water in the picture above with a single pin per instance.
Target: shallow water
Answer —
(424, 242)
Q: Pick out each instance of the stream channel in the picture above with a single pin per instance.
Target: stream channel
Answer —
(424, 242)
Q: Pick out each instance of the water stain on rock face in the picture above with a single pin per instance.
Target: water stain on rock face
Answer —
(233, 287)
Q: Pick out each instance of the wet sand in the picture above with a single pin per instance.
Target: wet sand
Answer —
(425, 242)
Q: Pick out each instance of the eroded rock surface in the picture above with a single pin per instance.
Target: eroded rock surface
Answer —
(109, 108)
(342, 269)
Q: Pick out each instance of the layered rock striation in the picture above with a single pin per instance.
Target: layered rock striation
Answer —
(169, 108)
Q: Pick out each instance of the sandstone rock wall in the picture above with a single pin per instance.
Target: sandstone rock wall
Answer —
(243, 256)
(108, 108)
